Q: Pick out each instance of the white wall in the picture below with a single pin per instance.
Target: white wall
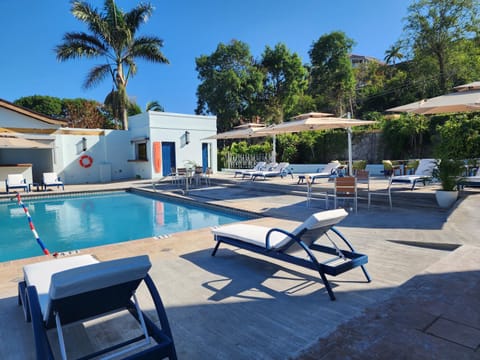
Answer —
(171, 127)
(108, 149)
(112, 151)
(12, 119)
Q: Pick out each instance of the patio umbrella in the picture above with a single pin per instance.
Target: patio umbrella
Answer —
(465, 98)
(244, 132)
(240, 132)
(12, 141)
(308, 122)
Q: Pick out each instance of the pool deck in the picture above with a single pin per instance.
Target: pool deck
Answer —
(423, 301)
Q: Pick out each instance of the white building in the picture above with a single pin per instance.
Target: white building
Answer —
(31, 143)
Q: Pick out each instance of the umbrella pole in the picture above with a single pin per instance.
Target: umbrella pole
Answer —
(349, 132)
(274, 149)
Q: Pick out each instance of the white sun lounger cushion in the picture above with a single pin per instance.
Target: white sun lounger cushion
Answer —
(40, 274)
(256, 235)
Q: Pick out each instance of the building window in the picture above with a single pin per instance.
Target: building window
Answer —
(141, 151)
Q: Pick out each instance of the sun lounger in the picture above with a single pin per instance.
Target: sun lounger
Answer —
(327, 259)
(73, 289)
(16, 181)
(329, 170)
(278, 170)
(260, 166)
(470, 181)
(52, 179)
(423, 174)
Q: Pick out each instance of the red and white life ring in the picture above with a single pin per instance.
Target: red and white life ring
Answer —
(85, 161)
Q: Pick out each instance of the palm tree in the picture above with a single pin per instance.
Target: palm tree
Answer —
(393, 53)
(154, 106)
(112, 37)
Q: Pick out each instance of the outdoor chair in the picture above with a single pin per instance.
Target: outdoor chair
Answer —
(345, 188)
(469, 181)
(382, 192)
(74, 289)
(280, 169)
(389, 168)
(16, 181)
(363, 178)
(261, 165)
(328, 171)
(52, 179)
(423, 173)
(326, 259)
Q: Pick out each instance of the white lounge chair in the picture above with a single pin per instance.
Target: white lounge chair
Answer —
(52, 179)
(284, 245)
(16, 181)
(279, 170)
(329, 170)
(260, 166)
(470, 181)
(73, 289)
(423, 173)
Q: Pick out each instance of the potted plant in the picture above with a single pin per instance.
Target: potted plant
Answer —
(448, 171)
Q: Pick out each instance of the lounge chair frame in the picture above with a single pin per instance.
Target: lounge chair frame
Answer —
(86, 306)
(52, 179)
(19, 182)
(350, 259)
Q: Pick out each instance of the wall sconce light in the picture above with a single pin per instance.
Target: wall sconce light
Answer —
(187, 137)
(84, 144)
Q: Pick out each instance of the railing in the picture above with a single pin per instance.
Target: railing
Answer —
(245, 161)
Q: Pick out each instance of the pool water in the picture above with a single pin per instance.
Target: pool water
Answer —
(72, 223)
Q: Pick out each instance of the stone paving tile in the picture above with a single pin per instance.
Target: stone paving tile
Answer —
(455, 332)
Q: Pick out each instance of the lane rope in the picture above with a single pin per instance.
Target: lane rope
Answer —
(32, 226)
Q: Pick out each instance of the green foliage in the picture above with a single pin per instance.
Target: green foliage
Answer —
(112, 39)
(332, 78)
(448, 171)
(47, 105)
(459, 137)
(229, 83)
(154, 106)
(404, 137)
(433, 27)
(284, 83)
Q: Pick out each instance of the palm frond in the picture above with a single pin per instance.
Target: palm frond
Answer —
(148, 48)
(76, 45)
(138, 15)
(97, 74)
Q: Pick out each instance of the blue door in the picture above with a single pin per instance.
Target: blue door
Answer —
(205, 164)
(168, 157)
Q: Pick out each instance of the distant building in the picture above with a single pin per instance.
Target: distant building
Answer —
(358, 60)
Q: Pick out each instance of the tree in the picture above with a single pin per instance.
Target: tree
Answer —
(229, 83)
(154, 106)
(46, 105)
(112, 37)
(332, 78)
(82, 113)
(434, 27)
(393, 54)
(285, 82)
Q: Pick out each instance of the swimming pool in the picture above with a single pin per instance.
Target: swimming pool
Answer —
(72, 223)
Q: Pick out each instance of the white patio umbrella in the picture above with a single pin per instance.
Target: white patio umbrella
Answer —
(240, 132)
(244, 132)
(465, 98)
(308, 122)
(11, 140)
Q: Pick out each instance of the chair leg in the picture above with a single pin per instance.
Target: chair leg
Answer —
(216, 248)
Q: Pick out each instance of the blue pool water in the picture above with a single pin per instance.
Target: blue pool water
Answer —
(71, 223)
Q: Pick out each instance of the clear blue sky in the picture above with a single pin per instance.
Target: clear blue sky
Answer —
(30, 30)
